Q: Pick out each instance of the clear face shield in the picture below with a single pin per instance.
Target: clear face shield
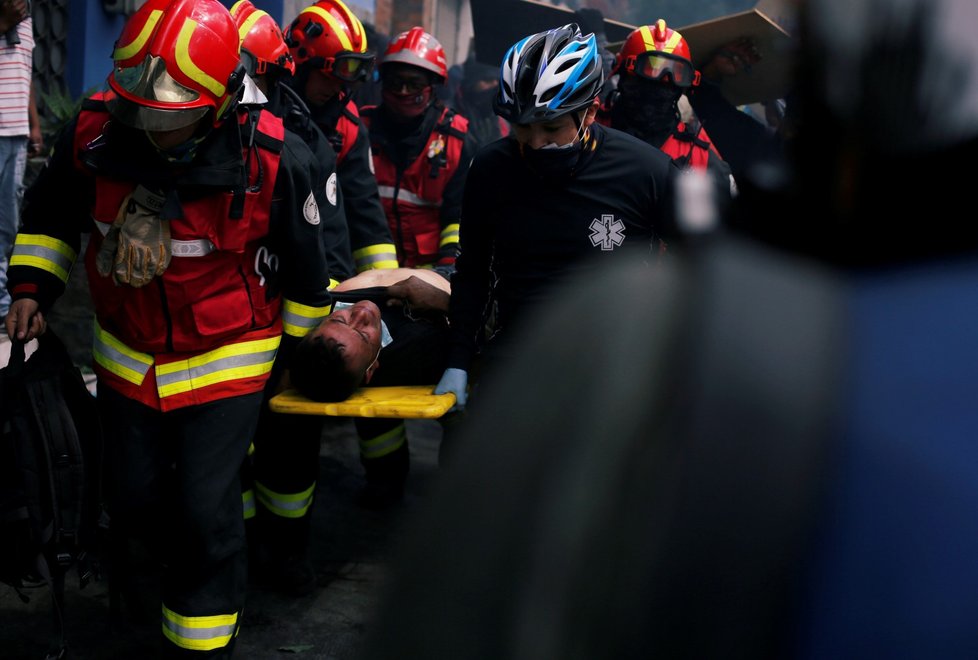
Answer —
(150, 81)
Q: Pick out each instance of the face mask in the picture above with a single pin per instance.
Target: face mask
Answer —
(407, 105)
(385, 334)
(646, 109)
(556, 161)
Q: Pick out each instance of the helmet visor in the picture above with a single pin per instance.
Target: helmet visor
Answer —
(655, 65)
(138, 96)
(353, 67)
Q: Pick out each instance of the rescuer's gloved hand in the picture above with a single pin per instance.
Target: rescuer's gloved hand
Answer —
(137, 247)
(454, 381)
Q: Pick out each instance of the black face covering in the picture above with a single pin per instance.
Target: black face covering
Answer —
(553, 163)
(648, 110)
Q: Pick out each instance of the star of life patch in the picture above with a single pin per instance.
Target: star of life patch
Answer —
(331, 189)
(310, 210)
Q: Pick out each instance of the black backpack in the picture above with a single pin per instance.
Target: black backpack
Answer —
(50, 467)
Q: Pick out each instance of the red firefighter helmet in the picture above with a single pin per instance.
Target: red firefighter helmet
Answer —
(175, 61)
(657, 52)
(417, 48)
(262, 37)
(328, 36)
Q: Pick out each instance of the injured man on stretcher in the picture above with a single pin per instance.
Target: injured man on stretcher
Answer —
(388, 327)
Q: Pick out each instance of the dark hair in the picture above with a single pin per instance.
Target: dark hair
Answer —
(319, 370)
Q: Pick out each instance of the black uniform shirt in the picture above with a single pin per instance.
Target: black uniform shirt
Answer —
(527, 233)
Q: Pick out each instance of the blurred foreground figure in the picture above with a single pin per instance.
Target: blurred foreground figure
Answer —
(751, 454)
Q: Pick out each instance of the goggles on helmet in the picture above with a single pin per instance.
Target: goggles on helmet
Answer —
(352, 67)
(656, 65)
(139, 96)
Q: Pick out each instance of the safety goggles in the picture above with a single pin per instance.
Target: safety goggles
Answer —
(656, 65)
(412, 84)
(352, 67)
(141, 93)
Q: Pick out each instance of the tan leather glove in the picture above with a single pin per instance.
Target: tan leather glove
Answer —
(137, 246)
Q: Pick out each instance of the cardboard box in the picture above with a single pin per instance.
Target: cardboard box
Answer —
(768, 79)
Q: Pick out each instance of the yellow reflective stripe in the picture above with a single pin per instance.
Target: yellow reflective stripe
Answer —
(647, 37)
(299, 319)
(332, 285)
(248, 23)
(353, 21)
(334, 24)
(382, 255)
(285, 505)
(117, 358)
(44, 252)
(199, 633)
(449, 235)
(242, 360)
(383, 444)
(248, 503)
(127, 51)
(186, 63)
(672, 43)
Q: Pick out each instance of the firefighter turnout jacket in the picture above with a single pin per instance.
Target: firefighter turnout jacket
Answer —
(421, 169)
(247, 267)
(370, 239)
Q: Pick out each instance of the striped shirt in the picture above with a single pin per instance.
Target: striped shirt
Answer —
(15, 81)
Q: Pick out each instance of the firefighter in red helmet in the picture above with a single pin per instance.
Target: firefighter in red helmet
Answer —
(204, 264)
(655, 69)
(330, 49)
(421, 152)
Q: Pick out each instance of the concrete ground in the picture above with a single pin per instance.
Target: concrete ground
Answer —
(350, 552)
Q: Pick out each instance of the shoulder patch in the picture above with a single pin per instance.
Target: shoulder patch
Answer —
(331, 189)
(310, 210)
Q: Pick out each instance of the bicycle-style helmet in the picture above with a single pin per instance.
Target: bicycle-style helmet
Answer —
(549, 74)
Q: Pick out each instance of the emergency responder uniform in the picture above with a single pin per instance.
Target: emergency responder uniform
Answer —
(182, 349)
(532, 215)
(421, 153)
(655, 68)
(327, 39)
(270, 64)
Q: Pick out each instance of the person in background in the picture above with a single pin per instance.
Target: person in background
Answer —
(421, 153)
(20, 127)
(655, 69)
(329, 46)
(473, 99)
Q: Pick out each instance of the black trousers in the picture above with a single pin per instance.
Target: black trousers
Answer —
(174, 498)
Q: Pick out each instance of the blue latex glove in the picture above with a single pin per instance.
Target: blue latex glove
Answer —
(454, 381)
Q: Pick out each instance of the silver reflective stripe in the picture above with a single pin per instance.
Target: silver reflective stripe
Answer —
(230, 362)
(118, 357)
(374, 258)
(187, 632)
(197, 248)
(384, 443)
(274, 501)
(387, 192)
(200, 247)
(300, 321)
(46, 253)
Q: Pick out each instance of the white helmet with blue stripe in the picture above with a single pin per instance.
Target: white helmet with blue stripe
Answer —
(549, 74)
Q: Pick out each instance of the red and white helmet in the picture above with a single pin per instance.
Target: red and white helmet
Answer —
(175, 61)
(327, 36)
(417, 48)
(261, 37)
(657, 52)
